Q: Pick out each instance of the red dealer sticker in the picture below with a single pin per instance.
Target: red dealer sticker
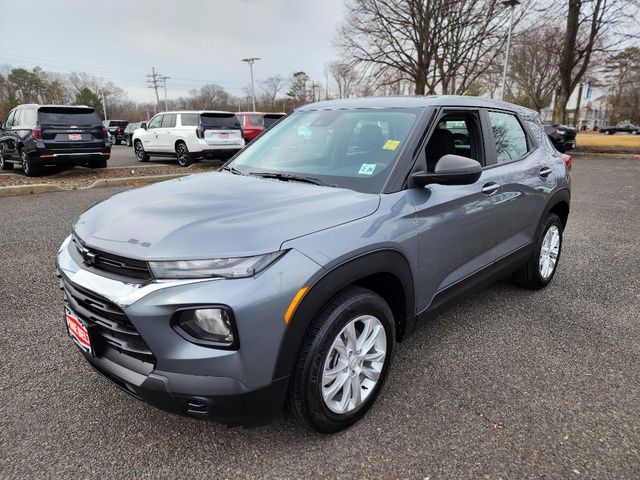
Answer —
(78, 331)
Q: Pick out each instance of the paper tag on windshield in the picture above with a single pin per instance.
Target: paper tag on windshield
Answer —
(367, 169)
(391, 144)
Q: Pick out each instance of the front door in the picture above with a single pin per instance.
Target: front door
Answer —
(149, 138)
(456, 223)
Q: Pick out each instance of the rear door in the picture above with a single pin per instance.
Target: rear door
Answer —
(221, 129)
(70, 129)
(524, 169)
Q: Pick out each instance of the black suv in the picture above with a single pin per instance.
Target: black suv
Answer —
(36, 136)
(128, 132)
(116, 129)
(621, 128)
(562, 137)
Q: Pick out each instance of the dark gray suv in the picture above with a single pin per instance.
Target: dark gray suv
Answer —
(288, 276)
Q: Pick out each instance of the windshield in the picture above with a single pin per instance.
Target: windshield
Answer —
(353, 149)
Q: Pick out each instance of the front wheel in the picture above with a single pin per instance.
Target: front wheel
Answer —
(542, 264)
(343, 361)
(141, 155)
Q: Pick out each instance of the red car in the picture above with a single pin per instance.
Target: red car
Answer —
(253, 123)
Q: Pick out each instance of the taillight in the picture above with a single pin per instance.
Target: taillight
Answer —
(568, 160)
(105, 133)
(200, 132)
(118, 131)
(36, 132)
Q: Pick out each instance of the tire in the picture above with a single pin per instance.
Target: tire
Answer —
(183, 156)
(98, 164)
(4, 164)
(118, 142)
(537, 274)
(141, 155)
(28, 167)
(315, 404)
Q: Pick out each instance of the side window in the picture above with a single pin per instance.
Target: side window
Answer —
(9, 121)
(457, 133)
(17, 118)
(155, 122)
(30, 117)
(240, 120)
(255, 120)
(511, 141)
(169, 120)
(189, 119)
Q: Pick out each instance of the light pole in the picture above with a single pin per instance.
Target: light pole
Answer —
(164, 81)
(250, 61)
(512, 4)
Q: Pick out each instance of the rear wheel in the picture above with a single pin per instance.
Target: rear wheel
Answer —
(542, 263)
(28, 167)
(141, 155)
(184, 157)
(343, 361)
(4, 164)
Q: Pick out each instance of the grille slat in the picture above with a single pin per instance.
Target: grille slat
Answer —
(112, 327)
(108, 262)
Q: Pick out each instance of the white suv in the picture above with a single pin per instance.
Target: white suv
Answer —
(189, 136)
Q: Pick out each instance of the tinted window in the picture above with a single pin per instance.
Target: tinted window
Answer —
(17, 118)
(269, 120)
(30, 117)
(155, 122)
(349, 148)
(118, 123)
(511, 141)
(189, 119)
(219, 120)
(255, 120)
(68, 116)
(169, 120)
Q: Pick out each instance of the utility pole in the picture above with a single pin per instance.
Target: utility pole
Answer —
(153, 81)
(512, 4)
(164, 81)
(250, 61)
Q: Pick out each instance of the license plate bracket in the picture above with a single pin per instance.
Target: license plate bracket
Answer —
(75, 136)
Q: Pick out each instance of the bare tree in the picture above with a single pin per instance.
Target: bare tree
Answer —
(533, 66)
(346, 78)
(437, 45)
(269, 90)
(590, 25)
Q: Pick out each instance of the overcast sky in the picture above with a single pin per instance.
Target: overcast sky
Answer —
(192, 41)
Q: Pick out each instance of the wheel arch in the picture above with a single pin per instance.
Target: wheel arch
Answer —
(559, 203)
(386, 272)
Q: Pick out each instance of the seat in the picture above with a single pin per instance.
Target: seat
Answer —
(370, 138)
(440, 144)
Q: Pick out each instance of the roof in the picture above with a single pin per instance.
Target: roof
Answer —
(420, 102)
(260, 113)
(197, 111)
(37, 105)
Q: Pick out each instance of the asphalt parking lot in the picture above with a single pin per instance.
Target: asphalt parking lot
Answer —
(123, 156)
(507, 384)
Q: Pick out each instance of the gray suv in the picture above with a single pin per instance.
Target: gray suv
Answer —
(288, 276)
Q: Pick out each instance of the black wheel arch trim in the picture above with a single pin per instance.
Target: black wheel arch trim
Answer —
(327, 283)
(561, 196)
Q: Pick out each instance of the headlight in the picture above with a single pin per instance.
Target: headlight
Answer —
(560, 132)
(240, 267)
(207, 326)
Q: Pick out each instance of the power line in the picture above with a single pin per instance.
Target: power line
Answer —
(154, 82)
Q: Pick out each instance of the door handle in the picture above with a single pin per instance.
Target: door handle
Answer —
(545, 172)
(490, 188)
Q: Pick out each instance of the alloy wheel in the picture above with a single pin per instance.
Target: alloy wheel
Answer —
(353, 364)
(549, 252)
(183, 155)
(139, 151)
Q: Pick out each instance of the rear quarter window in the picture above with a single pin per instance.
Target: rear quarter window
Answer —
(510, 138)
(189, 119)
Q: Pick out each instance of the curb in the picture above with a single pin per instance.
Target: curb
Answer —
(105, 182)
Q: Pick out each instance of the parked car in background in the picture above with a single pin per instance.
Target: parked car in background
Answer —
(36, 136)
(128, 132)
(562, 137)
(621, 128)
(116, 129)
(288, 276)
(189, 136)
(253, 123)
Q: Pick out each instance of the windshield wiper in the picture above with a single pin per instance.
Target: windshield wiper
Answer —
(287, 177)
(233, 170)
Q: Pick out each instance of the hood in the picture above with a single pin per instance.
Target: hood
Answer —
(216, 214)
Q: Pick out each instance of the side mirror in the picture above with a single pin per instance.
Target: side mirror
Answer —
(143, 125)
(450, 170)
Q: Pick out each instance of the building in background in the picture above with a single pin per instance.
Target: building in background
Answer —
(593, 108)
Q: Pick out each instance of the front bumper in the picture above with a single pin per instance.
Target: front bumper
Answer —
(230, 386)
